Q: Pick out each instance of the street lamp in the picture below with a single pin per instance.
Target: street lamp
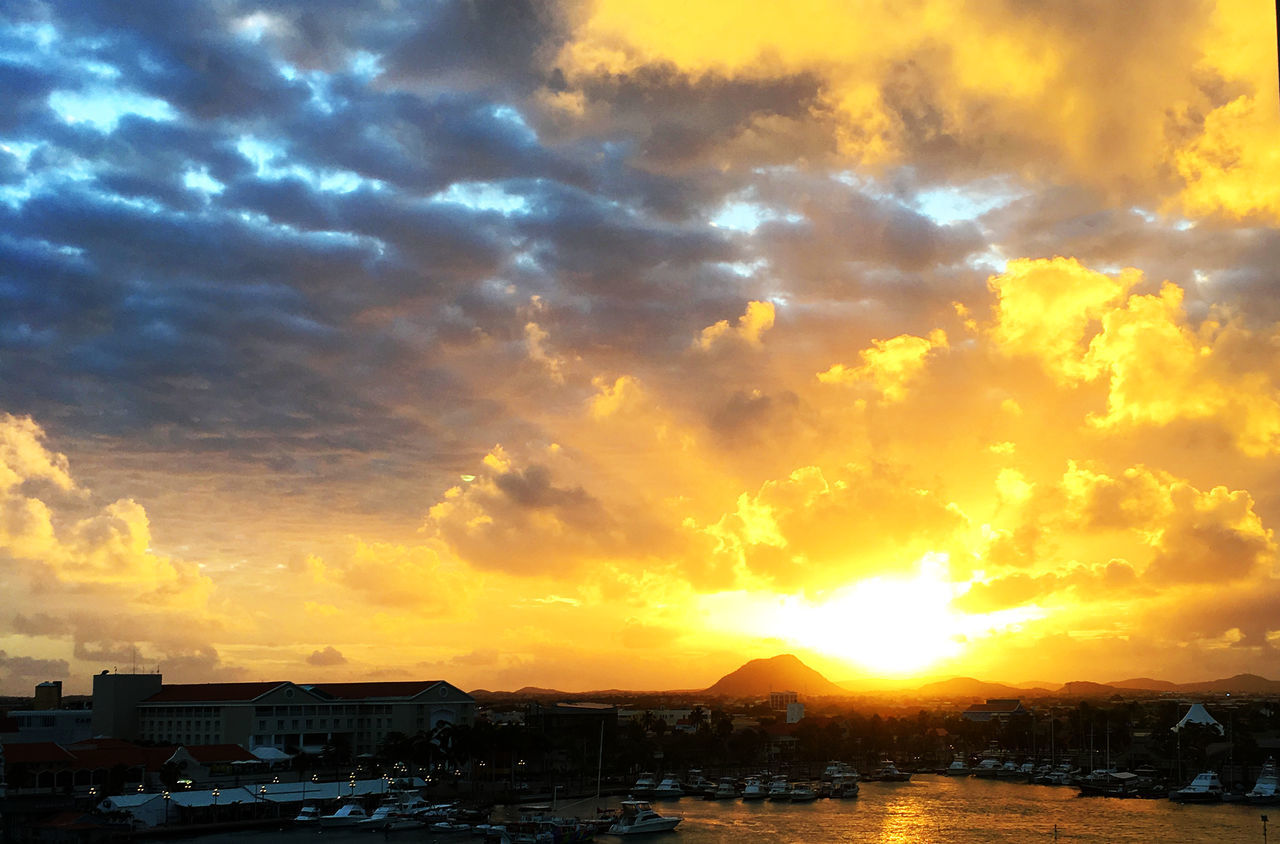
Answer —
(1264, 829)
(216, 793)
(167, 798)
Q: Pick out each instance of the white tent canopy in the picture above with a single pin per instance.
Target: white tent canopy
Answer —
(1197, 714)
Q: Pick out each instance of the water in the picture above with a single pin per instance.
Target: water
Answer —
(927, 810)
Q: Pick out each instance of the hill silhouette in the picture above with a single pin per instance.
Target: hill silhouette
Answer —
(776, 674)
(967, 687)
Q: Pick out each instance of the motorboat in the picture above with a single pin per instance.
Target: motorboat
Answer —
(836, 768)
(958, 768)
(888, 772)
(844, 786)
(1205, 788)
(638, 817)
(669, 788)
(1266, 791)
(754, 789)
(724, 790)
(802, 792)
(391, 816)
(349, 814)
(779, 789)
(988, 769)
(308, 815)
(645, 784)
(696, 783)
(1009, 771)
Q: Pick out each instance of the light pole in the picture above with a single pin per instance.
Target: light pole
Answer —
(167, 798)
(216, 793)
(1264, 829)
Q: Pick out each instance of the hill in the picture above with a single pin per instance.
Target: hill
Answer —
(1145, 684)
(780, 673)
(1239, 684)
(1086, 689)
(967, 687)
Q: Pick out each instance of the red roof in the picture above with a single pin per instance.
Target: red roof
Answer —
(36, 751)
(195, 692)
(356, 691)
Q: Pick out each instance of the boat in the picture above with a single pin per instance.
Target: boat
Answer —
(1009, 771)
(779, 789)
(696, 783)
(1205, 788)
(836, 768)
(669, 788)
(349, 814)
(888, 772)
(638, 817)
(308, 815)
(844, 787)
(958, 768)
(1266, 791)
(988, 769)
(391, 816)
(645, 784)
(724, 790)
(802, 792)
(754, 789)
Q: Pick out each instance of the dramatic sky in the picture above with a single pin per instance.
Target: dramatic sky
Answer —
(614, 343)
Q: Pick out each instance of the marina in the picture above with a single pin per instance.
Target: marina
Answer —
(926, 810)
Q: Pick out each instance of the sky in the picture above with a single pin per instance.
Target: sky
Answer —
(610, 344)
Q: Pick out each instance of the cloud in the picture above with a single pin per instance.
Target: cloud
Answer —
(751, 326)
(329, 656)
(889, 365)
(25, 668)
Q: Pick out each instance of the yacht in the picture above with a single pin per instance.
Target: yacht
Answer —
(1266, 791)
(350, 814)
(669, 787)
(696, 783)
(754, 789)
(836, 768)
(889, 773)
(391, 816)
(1205, 788)
(308, 815)
(724, 790)
(645, 784)
(988, 769)
(779, 789)
(844, 786)
(802, 792)
(958, 768)
(638, 816)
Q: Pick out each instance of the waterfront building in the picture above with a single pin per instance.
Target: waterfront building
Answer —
(280, 714)
(779, 701)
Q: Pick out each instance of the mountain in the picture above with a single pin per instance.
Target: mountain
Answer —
(1085, 689)
(1145, 684)
(967, 687)
(777, 674)
(1239, 684)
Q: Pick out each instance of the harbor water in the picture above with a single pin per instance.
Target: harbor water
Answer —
(926, 810)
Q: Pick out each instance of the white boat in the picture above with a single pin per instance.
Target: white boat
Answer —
(988, 769)
(754, 789)
(779, 789)
(350, 814)
(391, 816)
(1266, 791)
(308, 815)
(836, 768)
(958, 768)
(638, 817)
(844, 786)
(1205, 788)
(645, 784)
(1009, 770)
(724, 790)
(696, 783)
(802, 792)
(889, 773)
(668, 788)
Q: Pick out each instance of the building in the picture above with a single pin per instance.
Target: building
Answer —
(46, 720)
(779, 701)
(293, 717)
(795, 713)
(995, 709)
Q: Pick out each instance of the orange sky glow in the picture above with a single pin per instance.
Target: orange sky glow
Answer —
(917, 339)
